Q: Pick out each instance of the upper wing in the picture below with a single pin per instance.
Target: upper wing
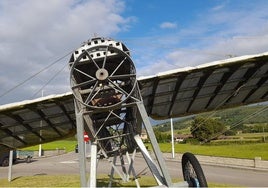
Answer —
(36, 121)
(221, 84)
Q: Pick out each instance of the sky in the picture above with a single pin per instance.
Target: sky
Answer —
(37, 37)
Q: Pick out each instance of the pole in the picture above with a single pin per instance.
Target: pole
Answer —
(10, 165)
(41, 124)
(81, 147)
(93, 165)
(172, 138)
(40, 145)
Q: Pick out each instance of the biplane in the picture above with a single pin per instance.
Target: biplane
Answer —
(112, 105)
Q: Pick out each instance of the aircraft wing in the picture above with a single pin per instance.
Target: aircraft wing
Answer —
(37, 121)
(191, 90)
(220, 84)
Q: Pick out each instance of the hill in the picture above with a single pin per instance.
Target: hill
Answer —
(253, 118)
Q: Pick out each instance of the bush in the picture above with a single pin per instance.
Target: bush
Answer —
(206, 129)
(230, 133)
(192, 141)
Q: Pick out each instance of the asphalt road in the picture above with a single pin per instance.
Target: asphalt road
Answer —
(68, 164)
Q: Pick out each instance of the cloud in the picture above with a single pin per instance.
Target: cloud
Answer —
(168, 25)
(219, 6)
(214, 35)
(33, 34)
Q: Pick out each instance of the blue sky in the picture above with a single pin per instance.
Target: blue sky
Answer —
(185, 33)
(161, 35)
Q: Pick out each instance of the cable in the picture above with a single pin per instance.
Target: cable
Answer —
(227, 98)
(54, 76)
(214, 111)
(34, 75)
(154, 38)
(239, 122)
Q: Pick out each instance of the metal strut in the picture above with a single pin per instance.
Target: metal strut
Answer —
(158, 169)
(125, 176)
(109, 107)
(163, 177)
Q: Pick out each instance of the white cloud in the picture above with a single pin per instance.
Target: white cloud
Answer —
(168, 25)
(219, 7)
(35, 33)
(213, 36)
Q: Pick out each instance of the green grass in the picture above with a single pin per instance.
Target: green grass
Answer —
(43, 181)
(68, 145)
(250, 135)
(237, 151)
(74, 181)
(244, 151)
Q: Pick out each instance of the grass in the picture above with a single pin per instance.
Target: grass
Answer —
(237, 151)
(244, 151)
(251, 135)
(74, 181)
(68, 145)
(43, 181)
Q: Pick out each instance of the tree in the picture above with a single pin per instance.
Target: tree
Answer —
(161, 137)
(206, 129)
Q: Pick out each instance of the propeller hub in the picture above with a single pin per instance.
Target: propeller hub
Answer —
(102, 74)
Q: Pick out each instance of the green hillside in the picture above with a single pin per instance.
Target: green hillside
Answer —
(247, 119)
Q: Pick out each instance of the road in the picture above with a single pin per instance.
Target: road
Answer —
(68, 164)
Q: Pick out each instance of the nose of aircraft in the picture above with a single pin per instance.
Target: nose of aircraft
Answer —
(102, 74)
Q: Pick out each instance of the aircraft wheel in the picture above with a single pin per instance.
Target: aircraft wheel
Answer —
(192, 171)
(5, 162)
(129, 140)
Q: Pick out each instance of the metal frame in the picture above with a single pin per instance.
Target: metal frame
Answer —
(101, 73)
(158, 169)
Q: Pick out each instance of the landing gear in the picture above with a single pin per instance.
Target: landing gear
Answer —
(109, 106)
(192, 171)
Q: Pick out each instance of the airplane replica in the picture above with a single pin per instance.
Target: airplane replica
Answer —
(113, 106)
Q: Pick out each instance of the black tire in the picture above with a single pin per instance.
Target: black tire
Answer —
(106, 144)
(192, 171)
(129, 140)
(5, 162)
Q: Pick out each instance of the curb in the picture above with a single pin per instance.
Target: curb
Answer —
(206, 160)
